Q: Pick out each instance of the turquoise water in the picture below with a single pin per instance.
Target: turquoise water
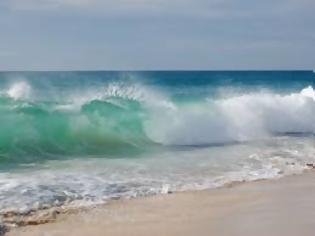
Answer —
(69, 137)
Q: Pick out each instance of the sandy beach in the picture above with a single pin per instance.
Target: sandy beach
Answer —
(271, 207)
(157, 118)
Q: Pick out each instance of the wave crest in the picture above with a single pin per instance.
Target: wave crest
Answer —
(235, 119)
(104, 119)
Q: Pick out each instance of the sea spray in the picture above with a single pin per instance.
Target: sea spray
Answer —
(118, 116)
(79, 138)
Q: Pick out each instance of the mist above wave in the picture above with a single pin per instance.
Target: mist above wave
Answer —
(238, 118)
(103, 117)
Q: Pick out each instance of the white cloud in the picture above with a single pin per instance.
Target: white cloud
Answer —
(156, 33)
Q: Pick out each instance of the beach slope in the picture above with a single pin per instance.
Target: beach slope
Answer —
(276, 207)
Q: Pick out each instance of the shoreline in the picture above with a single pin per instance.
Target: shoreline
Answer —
(282, 206)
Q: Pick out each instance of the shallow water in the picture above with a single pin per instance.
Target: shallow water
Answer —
(77, 138)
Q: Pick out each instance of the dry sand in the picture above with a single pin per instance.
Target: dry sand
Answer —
(265, 208)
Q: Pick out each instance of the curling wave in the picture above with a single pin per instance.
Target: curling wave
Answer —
(122, 117)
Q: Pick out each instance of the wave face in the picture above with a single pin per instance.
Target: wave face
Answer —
(97, 113)
(75, 138)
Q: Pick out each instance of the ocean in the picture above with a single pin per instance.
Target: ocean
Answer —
(77, 139)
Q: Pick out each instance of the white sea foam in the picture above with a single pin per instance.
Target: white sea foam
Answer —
(238, 118)
(230, 118)
(250, 116)
(78, 182)
(19, 90)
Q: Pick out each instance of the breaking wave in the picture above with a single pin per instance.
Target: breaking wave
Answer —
(118, 117)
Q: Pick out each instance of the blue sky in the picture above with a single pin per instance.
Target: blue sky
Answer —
(156, 34)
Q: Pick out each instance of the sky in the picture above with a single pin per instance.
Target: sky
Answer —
(157, 34)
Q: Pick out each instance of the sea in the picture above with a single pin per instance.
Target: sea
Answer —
(82, 138)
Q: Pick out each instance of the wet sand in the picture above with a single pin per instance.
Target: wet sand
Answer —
(272, 207)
